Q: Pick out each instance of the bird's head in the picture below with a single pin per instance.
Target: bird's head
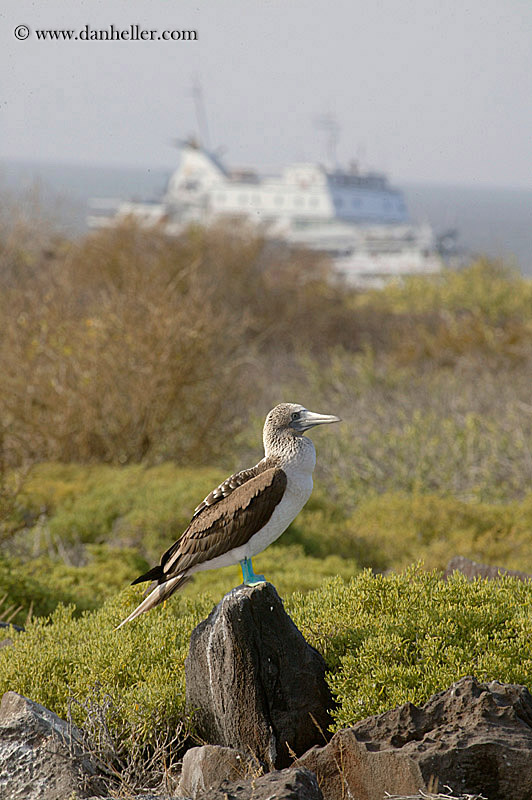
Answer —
(293, 419)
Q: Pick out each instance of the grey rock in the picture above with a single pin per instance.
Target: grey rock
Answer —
(285, 784)
(41, 756)
(472, 570)
(206, 768)
(253, 681)
(5, 629)
(288, 784)
(474, 737)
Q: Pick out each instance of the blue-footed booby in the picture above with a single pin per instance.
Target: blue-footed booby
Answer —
(245, 513)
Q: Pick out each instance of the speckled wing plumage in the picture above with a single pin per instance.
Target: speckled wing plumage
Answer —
(236, 513)
(231, 483)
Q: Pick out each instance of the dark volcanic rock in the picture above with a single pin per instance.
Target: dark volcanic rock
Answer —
(11, 625)
(286, 784)
(472, 570)
(473, 737)
(40, 755)
(206, 768)
(253, 681)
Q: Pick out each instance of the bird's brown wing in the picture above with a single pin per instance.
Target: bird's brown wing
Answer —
(228, 523)
(231, 483)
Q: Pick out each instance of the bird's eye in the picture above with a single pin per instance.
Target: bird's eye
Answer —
(296, 415)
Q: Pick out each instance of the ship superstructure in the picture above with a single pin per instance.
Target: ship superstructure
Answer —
(357, 218)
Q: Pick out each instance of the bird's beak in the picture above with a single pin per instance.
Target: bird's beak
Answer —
(310, 418)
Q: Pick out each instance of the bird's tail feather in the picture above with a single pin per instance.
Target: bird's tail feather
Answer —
(153, 574)
(158, 595)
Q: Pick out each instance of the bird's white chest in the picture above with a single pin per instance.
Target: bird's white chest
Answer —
(298, 491)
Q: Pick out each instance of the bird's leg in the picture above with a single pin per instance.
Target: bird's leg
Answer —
(250, 579)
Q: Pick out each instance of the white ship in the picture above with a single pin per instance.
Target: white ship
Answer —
(356, 218)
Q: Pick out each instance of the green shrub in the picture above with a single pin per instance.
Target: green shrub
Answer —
(389, 640)
(386, 640)
(110, 523)
(486, 288)
(38, 586)
(24, 592)
(146, 509)
(141, 666)
(483, 311)
(133, 506)
(113, 521)
(286, 566)
(396, 529)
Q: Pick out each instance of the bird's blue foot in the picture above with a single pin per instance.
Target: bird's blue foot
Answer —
(250, 579)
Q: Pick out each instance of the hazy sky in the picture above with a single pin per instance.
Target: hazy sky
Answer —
(427, 90)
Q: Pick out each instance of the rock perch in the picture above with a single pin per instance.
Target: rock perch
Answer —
(253, 681)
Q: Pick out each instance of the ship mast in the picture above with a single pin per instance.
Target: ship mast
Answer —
(329, 124)
(201, 115)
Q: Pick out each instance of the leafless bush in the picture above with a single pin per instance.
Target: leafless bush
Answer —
(127, 763)
(95, 369)
(465, 432)
(27, 234)
(129, 344)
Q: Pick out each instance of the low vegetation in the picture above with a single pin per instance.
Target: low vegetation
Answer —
(387, 639)
(403, 637)
(40, 586)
